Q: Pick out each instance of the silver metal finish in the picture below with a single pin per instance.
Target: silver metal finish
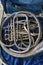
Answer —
(22, 34)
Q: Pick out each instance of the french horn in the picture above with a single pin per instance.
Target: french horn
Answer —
(20, 34)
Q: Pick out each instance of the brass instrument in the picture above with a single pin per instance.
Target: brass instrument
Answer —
(22, 32)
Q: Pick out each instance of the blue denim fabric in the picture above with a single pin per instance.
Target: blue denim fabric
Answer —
(35, 6)
(33, 60)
